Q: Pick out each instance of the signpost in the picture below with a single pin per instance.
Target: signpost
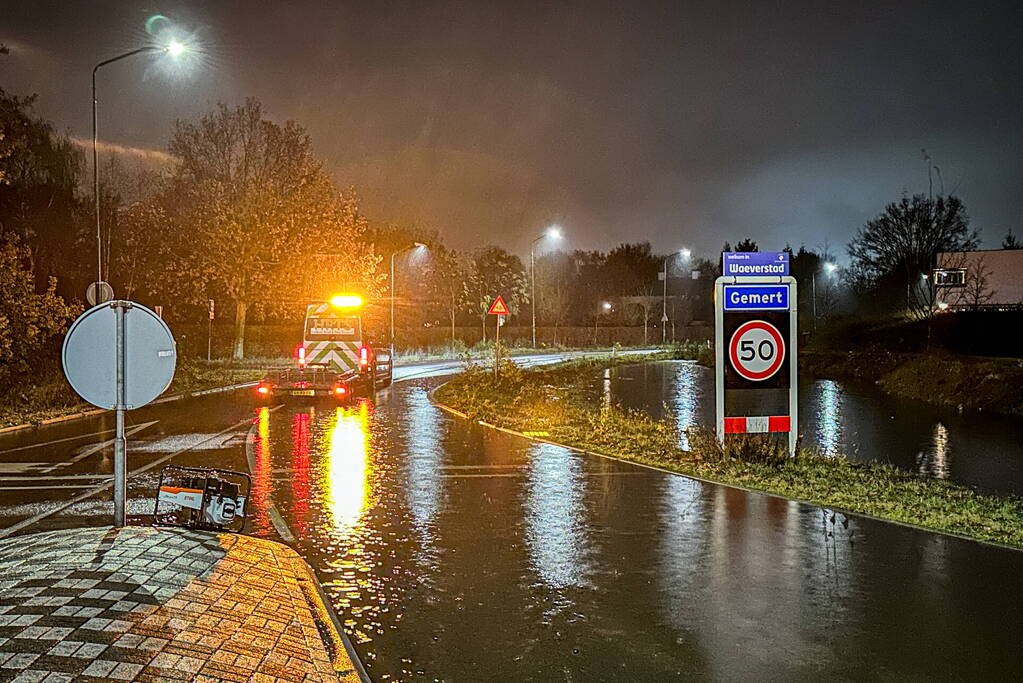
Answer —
(755, 335)
(98, 293)
(500, 309)
(119, 355)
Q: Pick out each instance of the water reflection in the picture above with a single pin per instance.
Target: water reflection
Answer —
(829, 417)
(258, 509)
(346, 481)
(425, 458)
(936, 460)
(300, 467)
(554, 517)
(688, 394)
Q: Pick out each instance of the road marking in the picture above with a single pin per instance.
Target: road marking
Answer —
(46, 487)
(55, 477)
(99, 489)
(92, 450)
(55, 441)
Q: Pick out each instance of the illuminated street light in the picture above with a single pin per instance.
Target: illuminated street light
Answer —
(554, 233)
(416, 246)
(175, 49)
(831, 267)
(605, 307)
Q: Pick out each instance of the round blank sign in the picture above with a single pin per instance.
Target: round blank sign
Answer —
(90, 355)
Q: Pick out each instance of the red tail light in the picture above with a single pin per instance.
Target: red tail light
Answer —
(300, 352)
(364, 356)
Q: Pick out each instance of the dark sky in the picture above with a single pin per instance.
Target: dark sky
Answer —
(685, 124)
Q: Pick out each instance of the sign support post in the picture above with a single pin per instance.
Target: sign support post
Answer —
(120, 450)
(755, 343)
(116, 373)
(498, 309)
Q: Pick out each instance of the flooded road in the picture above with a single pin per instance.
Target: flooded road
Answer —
(859, 421)
(456, 553)
(461, 554)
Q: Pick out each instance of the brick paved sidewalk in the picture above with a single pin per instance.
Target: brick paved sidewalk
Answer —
(162, 604)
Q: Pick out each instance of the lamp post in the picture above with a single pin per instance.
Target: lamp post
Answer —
(830, 268)
(554, 232)
(605, 307)
(172, 48)
(684, 253)
(416, 245)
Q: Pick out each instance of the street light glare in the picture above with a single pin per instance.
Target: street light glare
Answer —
(175, 48)
(685, 253)
(831, 267)
(607, 306)
(420, 245)
(554, 232)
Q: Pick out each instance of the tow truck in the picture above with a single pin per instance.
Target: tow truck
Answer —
(335, 359)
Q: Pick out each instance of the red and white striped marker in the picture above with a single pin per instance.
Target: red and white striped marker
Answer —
(760, 424)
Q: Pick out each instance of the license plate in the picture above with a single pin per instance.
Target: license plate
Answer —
(303, 392)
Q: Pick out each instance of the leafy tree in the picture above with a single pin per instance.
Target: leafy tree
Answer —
(555, 276)
(39, 177)
(446, 281)
(1011, 242)
(631, 269)
(493, 272)
(29, 321)
(894, 249)
(257, 219)
(747, 245)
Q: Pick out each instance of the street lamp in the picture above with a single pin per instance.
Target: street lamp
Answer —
(684, 254)
(554, 233)
(419, 246)
(605, 307)
(830, 269)
(173, 48)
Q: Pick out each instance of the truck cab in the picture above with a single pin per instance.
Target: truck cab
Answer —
(335, 358)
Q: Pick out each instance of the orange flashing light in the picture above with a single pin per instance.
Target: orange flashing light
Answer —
(346, 301)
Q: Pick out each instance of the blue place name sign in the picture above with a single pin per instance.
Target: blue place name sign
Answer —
(756, 297)
(754, 263)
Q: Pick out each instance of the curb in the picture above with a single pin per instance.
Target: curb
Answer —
(331, 624)
(99, 411)
(702, 480)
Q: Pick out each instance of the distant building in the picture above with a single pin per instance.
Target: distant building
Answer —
(972, 280)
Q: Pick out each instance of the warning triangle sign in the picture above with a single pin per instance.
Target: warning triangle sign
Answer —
(499, 307)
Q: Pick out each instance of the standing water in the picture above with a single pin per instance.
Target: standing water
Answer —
(456, 553)
(855, 420)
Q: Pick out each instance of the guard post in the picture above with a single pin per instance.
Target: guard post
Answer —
(755, 346)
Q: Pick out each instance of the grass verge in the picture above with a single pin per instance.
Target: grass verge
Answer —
(561, 402)
(50, 395)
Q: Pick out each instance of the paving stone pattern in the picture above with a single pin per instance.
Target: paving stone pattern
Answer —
(140, 604)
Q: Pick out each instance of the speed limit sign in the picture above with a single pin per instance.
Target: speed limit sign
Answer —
(755, 334)
(757, 350)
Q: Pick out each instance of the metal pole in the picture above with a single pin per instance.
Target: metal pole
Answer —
(532, 289)
(209, 340)
(95, 153)
(814, 287)
(95, 183)
(120, 465)
(664, 305)
(497, 344)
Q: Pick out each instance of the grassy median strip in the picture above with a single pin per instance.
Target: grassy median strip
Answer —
(564, 401)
